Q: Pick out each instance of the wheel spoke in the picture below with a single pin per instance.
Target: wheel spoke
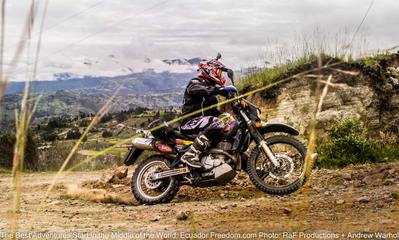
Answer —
(150, 188)
(291, 162)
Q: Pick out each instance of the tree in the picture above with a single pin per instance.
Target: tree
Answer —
(7, 143)
(57, 122)
(84, 123)
(74, 133)
(107, 134)
(121, 117)
(31, 157)
(49, 136)
(106, 118)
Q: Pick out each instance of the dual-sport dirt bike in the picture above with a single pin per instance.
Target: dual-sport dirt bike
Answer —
(275, 163)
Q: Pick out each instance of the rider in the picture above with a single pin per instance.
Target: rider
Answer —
(201, 93)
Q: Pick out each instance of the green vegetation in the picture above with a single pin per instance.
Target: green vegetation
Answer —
(73, 133)
(49, 136)
(375, 60)
(347, 143)
(107, 134)
(7, 142)
(71, 112)
(73, 103)
(56, 122)
(55, 137)
(270, 75)
(275, 73)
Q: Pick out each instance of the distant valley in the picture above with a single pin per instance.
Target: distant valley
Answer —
(144, 82)
(69, 96)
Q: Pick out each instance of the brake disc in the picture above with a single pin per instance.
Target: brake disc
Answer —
(149, 183)
(285, 170)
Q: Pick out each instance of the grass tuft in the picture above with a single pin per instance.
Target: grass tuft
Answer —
(347, 143)
(270, 75)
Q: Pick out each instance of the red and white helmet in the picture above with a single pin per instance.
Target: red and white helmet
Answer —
(212, 71)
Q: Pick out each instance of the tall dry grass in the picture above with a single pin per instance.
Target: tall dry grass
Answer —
(23, 117)
(2, 38)
(22, 126)
(279, 52)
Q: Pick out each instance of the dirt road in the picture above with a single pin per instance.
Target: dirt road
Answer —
(361, 198)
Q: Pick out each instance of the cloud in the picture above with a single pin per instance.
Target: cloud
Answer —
(244, 31)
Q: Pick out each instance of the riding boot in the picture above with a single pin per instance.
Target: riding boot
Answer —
(191, 157)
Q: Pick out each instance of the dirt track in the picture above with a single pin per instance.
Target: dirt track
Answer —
(363, 198)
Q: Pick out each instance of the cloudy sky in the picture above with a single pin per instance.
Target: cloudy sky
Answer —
(104, 37)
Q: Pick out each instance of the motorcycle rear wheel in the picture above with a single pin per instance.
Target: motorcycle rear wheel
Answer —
(258, 175)
(151, 192)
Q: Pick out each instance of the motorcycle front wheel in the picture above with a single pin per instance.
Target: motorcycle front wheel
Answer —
(148, 191)
(282, 180)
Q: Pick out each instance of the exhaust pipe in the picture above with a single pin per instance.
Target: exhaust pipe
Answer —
(143, 143)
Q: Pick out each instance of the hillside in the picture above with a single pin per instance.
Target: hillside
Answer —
(69, 96)
(366, 90)
(144, 82)
(65, 102)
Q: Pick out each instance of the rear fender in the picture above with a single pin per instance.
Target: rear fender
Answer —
(132, 156)
(278, 127)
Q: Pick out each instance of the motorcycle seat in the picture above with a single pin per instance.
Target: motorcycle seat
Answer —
(178, 134)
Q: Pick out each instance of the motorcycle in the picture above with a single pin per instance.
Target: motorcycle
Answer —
(275, 162)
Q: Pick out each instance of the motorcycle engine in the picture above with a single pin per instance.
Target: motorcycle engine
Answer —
(217, 168)
(213, 160)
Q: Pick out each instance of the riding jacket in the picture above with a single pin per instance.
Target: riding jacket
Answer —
(199, 95)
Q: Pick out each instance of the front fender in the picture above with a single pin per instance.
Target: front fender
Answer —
(278, 127)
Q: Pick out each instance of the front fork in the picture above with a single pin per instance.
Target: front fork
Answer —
(260, 140)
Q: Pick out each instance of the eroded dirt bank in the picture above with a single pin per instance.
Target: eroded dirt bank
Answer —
(361, 198)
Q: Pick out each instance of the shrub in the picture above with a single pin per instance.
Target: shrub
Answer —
(106, 118)
(57, 122)
(168, 116)
(84, 123)
(7, 142)
(107, 134)
(347, 143)
(389, 143)
(122, 117)
(49, 136)
(74, 133)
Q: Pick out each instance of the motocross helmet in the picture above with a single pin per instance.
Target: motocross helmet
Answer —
(212, 71)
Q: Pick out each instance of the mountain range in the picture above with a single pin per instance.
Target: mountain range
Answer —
(69, 95)
(146, 82)
(184, 61)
